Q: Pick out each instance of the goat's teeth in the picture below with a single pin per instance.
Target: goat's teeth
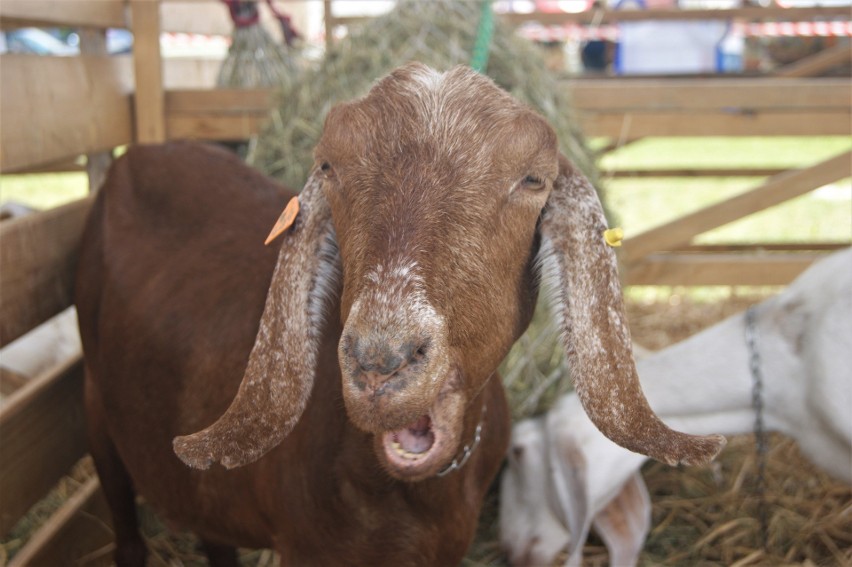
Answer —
(402, 452)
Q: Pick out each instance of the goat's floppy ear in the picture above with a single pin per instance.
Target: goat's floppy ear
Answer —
(581, 270)
(624, 522)
(280, 373)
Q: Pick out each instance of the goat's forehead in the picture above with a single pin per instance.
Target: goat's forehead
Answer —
(451, 101)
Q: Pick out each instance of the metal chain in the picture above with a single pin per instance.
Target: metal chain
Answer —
(468, 450)
(759, 429)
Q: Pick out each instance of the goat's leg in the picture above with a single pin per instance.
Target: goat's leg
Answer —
(220, 555)
(130, 550)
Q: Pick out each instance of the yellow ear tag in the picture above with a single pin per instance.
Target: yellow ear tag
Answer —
(285, 221)
(613, 237)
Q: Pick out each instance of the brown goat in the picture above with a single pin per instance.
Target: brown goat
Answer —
(436, 205)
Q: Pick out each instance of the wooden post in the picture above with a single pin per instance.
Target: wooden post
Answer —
(149, 101)
(93, 42)
(329, 23)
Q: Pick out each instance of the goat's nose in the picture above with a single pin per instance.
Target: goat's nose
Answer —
(378, 361)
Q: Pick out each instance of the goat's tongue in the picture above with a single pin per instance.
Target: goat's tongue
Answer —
(415, 439)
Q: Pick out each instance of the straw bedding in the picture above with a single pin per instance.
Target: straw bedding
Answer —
(702, 516)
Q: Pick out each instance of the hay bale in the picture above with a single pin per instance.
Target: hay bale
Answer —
(254, 58)
(440, 34)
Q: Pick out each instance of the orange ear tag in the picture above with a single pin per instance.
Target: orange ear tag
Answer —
(285, 221)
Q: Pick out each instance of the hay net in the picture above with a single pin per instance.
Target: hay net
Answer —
(441, 34)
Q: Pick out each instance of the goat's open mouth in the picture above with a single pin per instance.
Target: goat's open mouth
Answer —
(426, 445)
(410, 445)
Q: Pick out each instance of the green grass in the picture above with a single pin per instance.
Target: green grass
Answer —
(644, 203)
(43, 191)
(641, 204)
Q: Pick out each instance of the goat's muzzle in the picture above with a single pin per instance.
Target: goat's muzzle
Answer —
(400, 383)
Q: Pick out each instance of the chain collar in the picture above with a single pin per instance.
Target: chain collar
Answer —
(468, 450)
(751, 337)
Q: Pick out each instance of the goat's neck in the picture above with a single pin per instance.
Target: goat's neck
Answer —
(704, 384)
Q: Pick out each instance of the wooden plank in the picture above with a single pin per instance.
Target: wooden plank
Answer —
(93, 42)
(216, 114)
(817, 63)
(610, 16)
(213, 127)
(719, 269)
(222, 101)
(776, 190)
(208, 17)
(60, 107)
(43, 434)
(767, 247)
(80, 531)
(10, 382)
(640, 124)
(329, 21)
(38, 253)
(714, 172)
(67, 13)
(710, 94)
(149, 99)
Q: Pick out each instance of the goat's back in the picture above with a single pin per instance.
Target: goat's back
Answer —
(171, 285)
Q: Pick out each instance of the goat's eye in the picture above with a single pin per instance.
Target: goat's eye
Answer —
(533, 183)
(325, 167)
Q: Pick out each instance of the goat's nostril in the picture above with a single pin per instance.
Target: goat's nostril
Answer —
(417, 351)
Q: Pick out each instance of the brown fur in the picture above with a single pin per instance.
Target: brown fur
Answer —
(410, 271)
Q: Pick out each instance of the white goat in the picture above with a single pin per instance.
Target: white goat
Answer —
(702, 384)
(51, 343)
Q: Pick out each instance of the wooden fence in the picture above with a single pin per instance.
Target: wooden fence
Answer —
(56, 109)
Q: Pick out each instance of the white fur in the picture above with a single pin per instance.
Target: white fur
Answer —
(704, 385)
(43, 348)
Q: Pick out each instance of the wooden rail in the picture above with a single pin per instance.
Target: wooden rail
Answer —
(81, 106)
(714, 107)
(39, 256)
(43, 436)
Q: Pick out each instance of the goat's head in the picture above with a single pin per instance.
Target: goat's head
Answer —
(436, 205)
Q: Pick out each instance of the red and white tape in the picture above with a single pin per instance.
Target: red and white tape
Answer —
(575, 32)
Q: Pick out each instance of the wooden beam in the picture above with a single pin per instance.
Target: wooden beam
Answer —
(43, 432)
(714, 172)
(222, 101)
(220, 114)
(762, 247)
(685, 123)
(329, 21)
(38, 253)
(719, 269)
(710, 94)
(213, 127)
(93, 42)
(610, 16)
(60, 107)
(817, 63)
(10, 382)
(66, 13)
(149, 100)
(79, 532)
(776, 190)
